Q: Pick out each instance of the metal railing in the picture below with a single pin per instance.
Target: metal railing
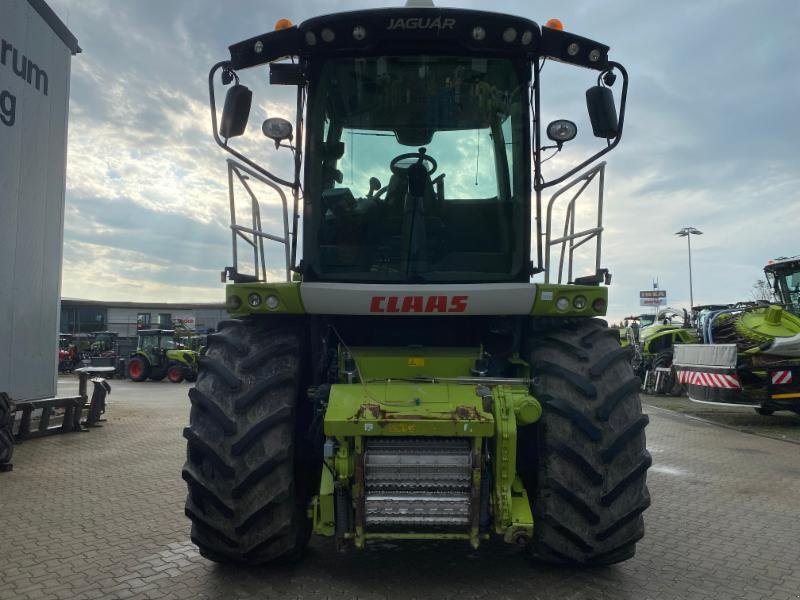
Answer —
(253, 235)
(571, 240)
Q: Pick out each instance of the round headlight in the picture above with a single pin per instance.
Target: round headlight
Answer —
(254, 300)
(527, 38)
(573, 49)
(562, 131)
(594, 55)
(359, 32)
(277, 128)
(478, 33)
(579, 302)
(311, 38)
(234, 302)
(272, 302)
(562, 304)
(327, 35)
(258, 47)
(599, 305)
(509, 35)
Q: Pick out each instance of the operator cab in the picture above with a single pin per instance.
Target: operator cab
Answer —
(419, 145)
(156, 340)
(784, 276)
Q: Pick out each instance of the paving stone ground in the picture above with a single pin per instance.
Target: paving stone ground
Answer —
(100, 515)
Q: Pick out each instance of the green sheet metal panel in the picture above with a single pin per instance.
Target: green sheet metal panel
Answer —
(414, 361)
(407, 409)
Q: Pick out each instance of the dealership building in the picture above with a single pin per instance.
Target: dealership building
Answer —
(126, 318)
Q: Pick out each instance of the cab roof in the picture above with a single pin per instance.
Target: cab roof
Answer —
(419, 30)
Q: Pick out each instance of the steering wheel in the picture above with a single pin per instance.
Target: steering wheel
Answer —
(419, 155)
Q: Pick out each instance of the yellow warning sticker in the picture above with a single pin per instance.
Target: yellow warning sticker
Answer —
(401, 428)
(416, 361)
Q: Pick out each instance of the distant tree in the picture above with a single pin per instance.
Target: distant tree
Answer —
(761, 291)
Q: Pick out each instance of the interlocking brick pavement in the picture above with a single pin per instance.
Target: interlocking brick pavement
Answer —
(100, 515)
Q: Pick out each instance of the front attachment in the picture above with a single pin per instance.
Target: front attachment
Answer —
(427, 460)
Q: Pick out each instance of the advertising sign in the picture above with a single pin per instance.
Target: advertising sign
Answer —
(652, 298)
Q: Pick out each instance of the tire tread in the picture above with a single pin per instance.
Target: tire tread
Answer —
(243, 500)
(588, 488)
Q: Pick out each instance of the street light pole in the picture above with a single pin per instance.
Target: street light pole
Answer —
(688, 232)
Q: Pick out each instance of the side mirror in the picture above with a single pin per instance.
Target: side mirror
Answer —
(236, 111)
(277, 129)
(602, 111)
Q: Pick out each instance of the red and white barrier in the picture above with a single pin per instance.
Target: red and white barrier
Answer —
(781, 377)
(715, 380)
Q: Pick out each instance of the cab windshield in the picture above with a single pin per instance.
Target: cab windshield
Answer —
(418, 170)
(646, 320)
(787, 287)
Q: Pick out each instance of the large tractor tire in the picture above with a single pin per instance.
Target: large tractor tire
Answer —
(247, 498)
(138, 369)
(587, 480)
(6, 432)
(175, 373)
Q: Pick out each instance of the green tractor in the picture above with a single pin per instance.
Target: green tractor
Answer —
(157, 355)
(407, 380)
(750, 352)
(189, 339)
(653, 343)
(103, 349)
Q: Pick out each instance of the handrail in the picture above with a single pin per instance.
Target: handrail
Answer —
(567, 241)
(241, 173)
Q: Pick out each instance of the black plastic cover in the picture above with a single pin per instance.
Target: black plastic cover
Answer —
(421, 30)
(285, 74)
(236, 111)
(556, 44)
(272, 46)
(602, 111)
(387, 30)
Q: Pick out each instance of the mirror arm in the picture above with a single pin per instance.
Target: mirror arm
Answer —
(611, 145)
(223, 144)
(298, 163)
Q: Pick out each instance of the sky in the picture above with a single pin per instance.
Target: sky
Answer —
(710, 141)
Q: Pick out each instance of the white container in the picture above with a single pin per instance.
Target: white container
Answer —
(35, 53)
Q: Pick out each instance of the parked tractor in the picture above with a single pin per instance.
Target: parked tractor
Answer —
(103, 349)
(750, 352)
(189, 339)
(68, 357)
(653, 346)
(157, 356)
(407, 380)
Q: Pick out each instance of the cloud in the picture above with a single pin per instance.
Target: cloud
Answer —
(710, 140)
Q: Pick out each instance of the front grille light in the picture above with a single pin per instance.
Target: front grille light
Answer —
(254, 300)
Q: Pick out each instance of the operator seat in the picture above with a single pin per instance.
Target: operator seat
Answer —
(397, 193)
(422, 229)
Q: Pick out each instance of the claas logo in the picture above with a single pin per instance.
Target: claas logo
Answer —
(418, 304)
